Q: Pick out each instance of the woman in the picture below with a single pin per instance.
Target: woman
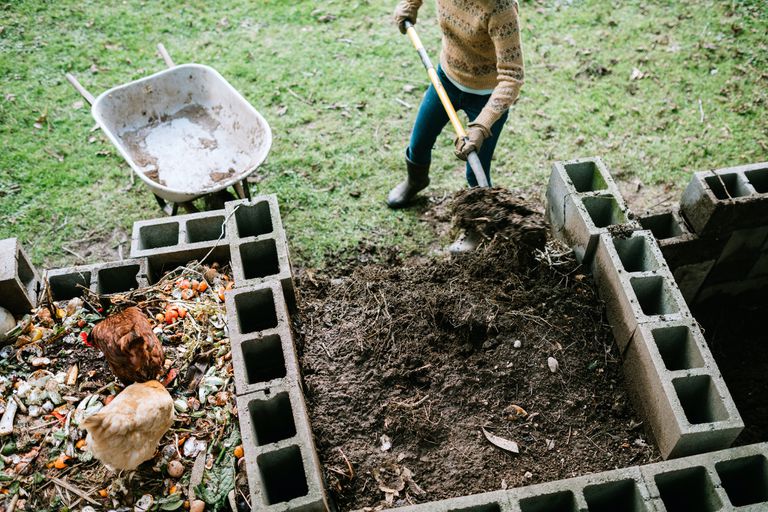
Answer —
(481, 68)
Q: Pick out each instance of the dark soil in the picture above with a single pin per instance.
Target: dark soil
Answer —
(738, 338)
(419, 353)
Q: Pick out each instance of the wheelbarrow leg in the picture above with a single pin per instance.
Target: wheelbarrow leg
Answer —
(242, 190)
(168, 208)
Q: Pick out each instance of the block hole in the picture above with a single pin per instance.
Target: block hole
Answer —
(282, 473)
(727, 186)
(563, 501)
(758, 178)
(488, 507)
(604, 211)
(155, 236)
(678, 347)
(264, 359)
(700, 399)
(256, 310)
(205, 229)
(118, 279)
(253, 220)
(687, 489)
(621, 496)
(26, 274)
(636, 254)
(745, 480)
(654, 295)
(272, 419)
(586, 176)
(259, 259)
(68, 286)
(663, 226)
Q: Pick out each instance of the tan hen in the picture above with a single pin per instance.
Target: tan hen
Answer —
(130, 347)
(127, 431)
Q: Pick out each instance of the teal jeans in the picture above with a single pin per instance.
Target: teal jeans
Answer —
(432, 118)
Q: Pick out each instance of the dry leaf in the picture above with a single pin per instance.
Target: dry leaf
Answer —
(500, 442)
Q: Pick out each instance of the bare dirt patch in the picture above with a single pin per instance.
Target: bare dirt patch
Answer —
(407, 360)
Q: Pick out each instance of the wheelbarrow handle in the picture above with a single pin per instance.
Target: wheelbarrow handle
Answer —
(82, 90)
(165, 55)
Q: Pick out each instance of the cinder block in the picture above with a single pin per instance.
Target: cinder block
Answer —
(724, 200)
(635, 284)
(742, 290)
(259, 245)
(664, 225)
(615, 491)
(265, 359)
(119, 276)
(583, 201)
(263, 259)
(256, 309)
(171, 241)
(739, 255)
(676, 385)
(19, 280)
(691, 277)
(263, 352)
(497, 501)
(282, 465)
(574, 177)
(733, 479)
(69, 282)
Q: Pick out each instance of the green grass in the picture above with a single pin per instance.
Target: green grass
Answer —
(329, 91)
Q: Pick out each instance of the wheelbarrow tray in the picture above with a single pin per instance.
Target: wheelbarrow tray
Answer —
(185, 131)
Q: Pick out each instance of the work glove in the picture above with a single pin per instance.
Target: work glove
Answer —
(404, 12)
(476, 135)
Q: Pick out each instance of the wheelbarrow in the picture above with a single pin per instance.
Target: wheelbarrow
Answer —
(185, 131)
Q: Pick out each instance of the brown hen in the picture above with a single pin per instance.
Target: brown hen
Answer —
(130, 347)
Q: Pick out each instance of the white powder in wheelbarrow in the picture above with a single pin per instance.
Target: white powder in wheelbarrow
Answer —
(189, 151)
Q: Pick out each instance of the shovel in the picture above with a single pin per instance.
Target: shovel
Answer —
(472, 159)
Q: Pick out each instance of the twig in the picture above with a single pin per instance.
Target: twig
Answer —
(73, 253)
(411, 405)
(75, 490)
(349, 466)
(404, 103)
(300, 98)
(701, 111)
(12, 504)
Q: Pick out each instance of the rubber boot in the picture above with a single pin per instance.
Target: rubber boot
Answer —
(468, 241)
(416, 181)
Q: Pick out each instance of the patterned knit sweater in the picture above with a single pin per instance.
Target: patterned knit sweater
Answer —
(481, 48)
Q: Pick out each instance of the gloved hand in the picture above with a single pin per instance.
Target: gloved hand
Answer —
(404, 12)
(476, 135)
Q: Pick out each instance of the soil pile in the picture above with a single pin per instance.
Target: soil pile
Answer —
(407, 361)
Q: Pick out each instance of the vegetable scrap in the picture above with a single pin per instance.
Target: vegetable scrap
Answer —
(56, 373)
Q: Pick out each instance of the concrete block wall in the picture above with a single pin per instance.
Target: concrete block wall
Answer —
(727, 480)
(717, 244)
(19, 279)
(283, 469)
(725, 200)
(102, 278)
(672, 377)
(584, 202)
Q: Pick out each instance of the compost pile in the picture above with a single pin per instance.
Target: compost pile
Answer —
(54, 380)
(430, 378)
